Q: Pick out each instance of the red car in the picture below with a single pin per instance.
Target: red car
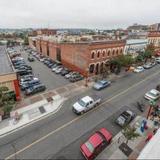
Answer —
(96, 143)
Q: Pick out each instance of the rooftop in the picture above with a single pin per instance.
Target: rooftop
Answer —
(5, 65)
(87, 39)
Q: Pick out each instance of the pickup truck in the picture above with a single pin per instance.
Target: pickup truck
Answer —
(85, 104)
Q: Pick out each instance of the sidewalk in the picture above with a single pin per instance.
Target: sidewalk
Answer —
(118, 150)
(66, 90)
(30, 114)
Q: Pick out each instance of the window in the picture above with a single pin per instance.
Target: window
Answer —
(89, 146)
(121, 51)
(117, 52)
(98, 54)
(113, 53)
(104, 52)
(109, 53)
(91, 68)
(92, 55)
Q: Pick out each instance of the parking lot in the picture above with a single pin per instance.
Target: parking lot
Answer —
(46, 76)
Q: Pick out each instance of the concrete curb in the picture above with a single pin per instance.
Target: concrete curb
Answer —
(33, 121)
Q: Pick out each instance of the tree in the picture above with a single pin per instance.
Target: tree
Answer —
(130, 133)
(125, 60)
(149, 52)
(6, 102)
(139, 58)
(115, 66)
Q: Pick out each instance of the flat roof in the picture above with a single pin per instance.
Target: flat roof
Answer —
(5, 64)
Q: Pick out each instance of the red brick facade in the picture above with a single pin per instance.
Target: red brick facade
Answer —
(83, 57)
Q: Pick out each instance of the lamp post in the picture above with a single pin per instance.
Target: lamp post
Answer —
(86, 82)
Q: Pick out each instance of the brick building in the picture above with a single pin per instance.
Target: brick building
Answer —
(154, 38)
(86, 57)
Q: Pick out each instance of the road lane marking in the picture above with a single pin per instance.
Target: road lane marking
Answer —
(80, 117)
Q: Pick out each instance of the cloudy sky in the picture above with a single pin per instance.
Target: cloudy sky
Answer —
(102, 14)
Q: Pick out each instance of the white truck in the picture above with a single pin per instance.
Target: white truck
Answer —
(85, 104)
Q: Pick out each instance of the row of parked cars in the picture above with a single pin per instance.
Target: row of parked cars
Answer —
(147, 65)
(27, 81)
(56, 67)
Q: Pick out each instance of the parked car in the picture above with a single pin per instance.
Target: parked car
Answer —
(30, 84)
(31, 59)
(50, 65)
(25, 67)
(153, 94)
(125, 118)
(65, 71)
(57, 71)
(96, 144)
(139, 69)
(26, 80)
(71, 74)
(147, 66)
(23, 72)
(35, 89)
(85, 104)
(26, 76)
(101, 84)
(157, 60)
(55, 68)
(76, 78)
(153, 63)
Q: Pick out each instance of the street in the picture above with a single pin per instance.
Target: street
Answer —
(60, 135)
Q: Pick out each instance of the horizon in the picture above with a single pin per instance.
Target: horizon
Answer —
(90, 14)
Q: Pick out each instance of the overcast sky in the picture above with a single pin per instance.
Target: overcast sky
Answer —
(102, 14)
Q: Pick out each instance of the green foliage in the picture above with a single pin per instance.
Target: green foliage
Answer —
(130, 133)
(6, 102)
(139, 58)
(125, 60)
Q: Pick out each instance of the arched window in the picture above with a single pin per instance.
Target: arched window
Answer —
(109, 52)
(92, 55)
(103, 53)
(97, 69)
(91, 68)
(113, 52)
(117, 51)
(98, 54)
(121, 51)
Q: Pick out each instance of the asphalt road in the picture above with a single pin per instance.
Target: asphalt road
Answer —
(46, 76)
(60, 135)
